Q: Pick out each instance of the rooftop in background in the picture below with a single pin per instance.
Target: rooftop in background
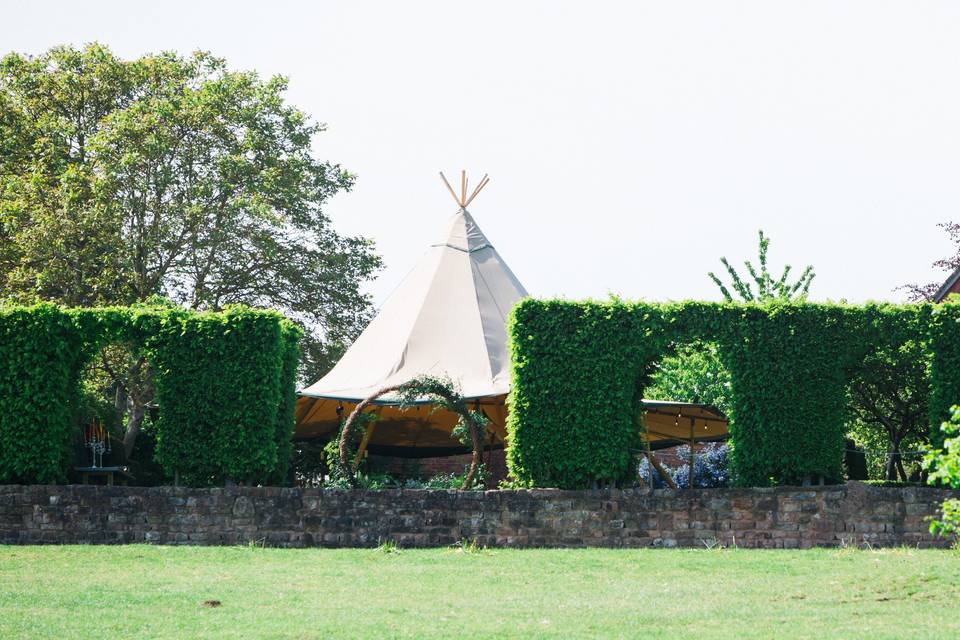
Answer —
(951, 285)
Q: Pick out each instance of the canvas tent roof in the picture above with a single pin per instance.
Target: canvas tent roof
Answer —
(670, 423)
(446, 318)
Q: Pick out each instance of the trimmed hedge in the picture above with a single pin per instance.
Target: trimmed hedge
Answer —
(579, 367)
(576, 372)
(291, 335)
(944, 347)
(217, 379)
(40, 358)
(224, 385)
(789, 366)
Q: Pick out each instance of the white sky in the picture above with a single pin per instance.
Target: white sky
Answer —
(629, 144)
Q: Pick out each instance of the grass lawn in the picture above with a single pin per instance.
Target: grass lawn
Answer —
(159, 592)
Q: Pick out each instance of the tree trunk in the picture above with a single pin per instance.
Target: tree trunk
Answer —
(895, 468)
(903, 472)
(890, 467)
(120, 402)
(135, 413)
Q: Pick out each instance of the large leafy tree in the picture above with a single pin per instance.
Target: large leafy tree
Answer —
(692, 373)
(171, 176)
(889, 401)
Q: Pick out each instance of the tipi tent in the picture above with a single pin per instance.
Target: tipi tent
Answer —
(446, 318)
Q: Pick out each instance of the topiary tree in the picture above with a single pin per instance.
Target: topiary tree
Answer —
(444, 394)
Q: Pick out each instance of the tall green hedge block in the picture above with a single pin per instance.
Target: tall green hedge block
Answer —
(579, 367)
(291, 335)
(218, 387)
(40, 360)
(944, 347)
(576, 368)
(789, 367)
(225, 386)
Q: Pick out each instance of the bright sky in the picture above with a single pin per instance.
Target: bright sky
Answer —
(629, 144)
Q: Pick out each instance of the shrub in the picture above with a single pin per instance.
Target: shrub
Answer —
(651, 477)
(944, 347)
(573, 404)
(40, 363)
(944, 466)
(693, 373)
(709, 467)
(789, 366)
(450, 481)
(290, 335)
(892, 483)
(218, 384)
(369, 481)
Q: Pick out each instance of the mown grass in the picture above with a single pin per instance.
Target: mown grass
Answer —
(159, 592)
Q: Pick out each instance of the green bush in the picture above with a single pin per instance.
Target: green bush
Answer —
(450, 481)
(892, 483)
(225, 387)
(694, 372)
(579, 368)
(40, 360)
(291, 335)
(789, 366)
(944, 467)
(944, 346)
(218, 384)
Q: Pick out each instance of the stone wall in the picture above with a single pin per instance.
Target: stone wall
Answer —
(854, 514)
(423, 468)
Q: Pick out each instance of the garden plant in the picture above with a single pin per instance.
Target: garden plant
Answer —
(944, 466)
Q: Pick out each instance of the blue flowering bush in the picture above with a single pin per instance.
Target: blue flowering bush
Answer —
(710, 468)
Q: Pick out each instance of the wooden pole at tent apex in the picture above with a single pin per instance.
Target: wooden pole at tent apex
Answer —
(462, 200)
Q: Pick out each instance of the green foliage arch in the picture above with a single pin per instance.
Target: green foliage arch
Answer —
(580, 368)
(225, 387)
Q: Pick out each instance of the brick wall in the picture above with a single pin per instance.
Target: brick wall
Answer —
(854, 514)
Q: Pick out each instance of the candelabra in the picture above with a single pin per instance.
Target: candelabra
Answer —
(98, 442)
